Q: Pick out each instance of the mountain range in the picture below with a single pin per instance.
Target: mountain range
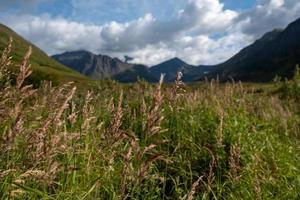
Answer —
(102, 66)
(276, 53)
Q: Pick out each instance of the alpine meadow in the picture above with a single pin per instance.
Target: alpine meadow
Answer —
(84, 125)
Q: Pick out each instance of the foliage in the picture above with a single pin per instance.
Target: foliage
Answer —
(291, 89)
(144, 141)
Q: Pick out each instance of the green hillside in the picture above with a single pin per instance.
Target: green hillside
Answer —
(43, 66)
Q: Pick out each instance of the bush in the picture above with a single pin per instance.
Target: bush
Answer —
(291, 89)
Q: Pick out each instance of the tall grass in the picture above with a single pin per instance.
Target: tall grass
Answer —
(143, 141)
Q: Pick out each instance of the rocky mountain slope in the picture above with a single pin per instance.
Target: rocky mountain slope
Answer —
(276, 53)
(102, 66)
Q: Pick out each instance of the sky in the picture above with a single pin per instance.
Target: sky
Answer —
(150, 31)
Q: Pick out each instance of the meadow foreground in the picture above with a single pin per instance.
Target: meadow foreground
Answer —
(145, 141)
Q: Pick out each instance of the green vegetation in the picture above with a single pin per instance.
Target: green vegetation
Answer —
(44, 68)
(291, 89)
(144, 141)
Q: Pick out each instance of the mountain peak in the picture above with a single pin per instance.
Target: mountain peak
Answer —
(176, 60)
(170, 68)
(102, 66)
(79, 52)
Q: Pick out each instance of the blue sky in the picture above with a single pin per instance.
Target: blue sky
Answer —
(122, 11)
(103, 11)
(238, 4)
(198, 31)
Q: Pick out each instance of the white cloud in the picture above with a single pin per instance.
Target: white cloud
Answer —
(203, 32)
(56, 35)
(276, 4)
(206, 50)
(153, 54)
(267, 15)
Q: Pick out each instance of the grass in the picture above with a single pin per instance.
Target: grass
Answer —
(145, 141)
(44, 68)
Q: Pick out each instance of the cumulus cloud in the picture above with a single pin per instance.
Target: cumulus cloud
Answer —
(267, 15)
(56, 35)
(202, 32)
(139, 38)
(206, 50)
(199, 16)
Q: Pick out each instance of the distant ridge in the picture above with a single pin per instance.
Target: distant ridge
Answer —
(275, 54)
(169, 68)
(101, 66)
(94, 66)
(174, 65)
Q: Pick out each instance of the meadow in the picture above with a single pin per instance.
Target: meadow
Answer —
(147, 141)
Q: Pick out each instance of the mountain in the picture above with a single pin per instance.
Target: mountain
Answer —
(135, 73)
(43, 66)
(174, 65)
(275, 53)
(102, 66)
(169, 68)
(94, 66)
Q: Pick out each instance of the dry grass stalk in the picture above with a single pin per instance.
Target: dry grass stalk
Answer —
(111, 105)
(33, 174)
(128, 169)
(45, 143)
(25, 92)
(154, 115)
(144, 167)
(143, 108)
(137, 160)
(17, 193)
(17, 97)
(211, 175)
(5, 61)
(65, 105)
(14, 131)
(87, 111)
(6, 172)
(146, 150)
(257, 179)
(36, 174)
(136, 167)
(135, 152)
(38, 141)
(24, 68)
(177, 89)
(234, 160)
(194, 188)
(74, 114)
(219, 133)
(114, 132)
